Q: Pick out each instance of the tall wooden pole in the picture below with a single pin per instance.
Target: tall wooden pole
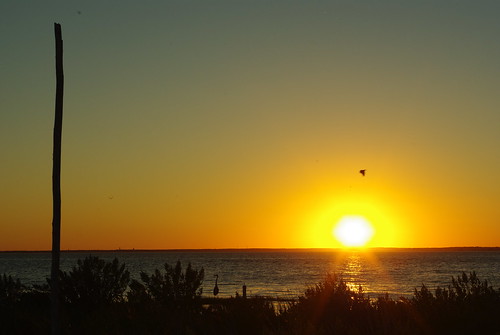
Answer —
(56, 186)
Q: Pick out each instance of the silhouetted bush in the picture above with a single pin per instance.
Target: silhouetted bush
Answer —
(170, 302)
(23, 310)
(94, 282)
(171, 286)
(331, 306)
(255, 315)
(463, 306)
(394, 316)
(10, 289)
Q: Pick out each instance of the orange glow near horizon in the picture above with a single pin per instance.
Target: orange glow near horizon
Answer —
(384, 222)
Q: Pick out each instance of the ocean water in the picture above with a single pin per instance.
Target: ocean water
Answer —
(285, 274)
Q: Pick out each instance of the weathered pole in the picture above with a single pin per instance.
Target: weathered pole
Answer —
(56, 186)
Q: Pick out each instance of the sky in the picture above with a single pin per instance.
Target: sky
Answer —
(244, 124)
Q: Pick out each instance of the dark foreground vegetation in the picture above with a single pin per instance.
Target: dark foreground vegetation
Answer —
(99, 297)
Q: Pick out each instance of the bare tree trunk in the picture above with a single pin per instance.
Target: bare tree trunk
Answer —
(56, 186)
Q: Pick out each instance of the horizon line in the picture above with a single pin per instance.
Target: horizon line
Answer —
(463, 248)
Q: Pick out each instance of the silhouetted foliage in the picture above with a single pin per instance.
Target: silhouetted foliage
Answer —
(239, 315)
(23, 310)
(171, 286)
(94, 282)
(10, 289)
(330, 306)
(466, 306)
(463, 305)
(170, 302)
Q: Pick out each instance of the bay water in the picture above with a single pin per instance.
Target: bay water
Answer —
(285, 273)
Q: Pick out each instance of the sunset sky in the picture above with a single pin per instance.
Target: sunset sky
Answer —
(244, 124)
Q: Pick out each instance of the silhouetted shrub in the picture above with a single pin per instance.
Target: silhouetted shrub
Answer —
(331, 306)
(10, 289)
(167, 302)
(394, 316)
(170, 302)
(463, 289)
(23, 310)
(468, 305)
(94, 282)
(171, 286)
(255, 315)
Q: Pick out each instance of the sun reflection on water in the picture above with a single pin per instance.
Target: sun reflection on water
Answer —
(361, 269)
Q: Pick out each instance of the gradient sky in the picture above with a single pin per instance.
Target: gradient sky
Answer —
(221, 124)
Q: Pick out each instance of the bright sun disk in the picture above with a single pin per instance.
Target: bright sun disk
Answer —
(353, 231)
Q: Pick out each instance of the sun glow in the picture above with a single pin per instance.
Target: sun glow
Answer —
(353, 231)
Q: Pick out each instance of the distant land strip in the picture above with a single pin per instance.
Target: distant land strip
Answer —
(379, 249)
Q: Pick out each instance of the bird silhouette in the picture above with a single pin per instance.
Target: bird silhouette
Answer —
(216, 288)
(362, 172)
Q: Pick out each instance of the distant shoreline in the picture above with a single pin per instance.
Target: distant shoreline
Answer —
(381, 249)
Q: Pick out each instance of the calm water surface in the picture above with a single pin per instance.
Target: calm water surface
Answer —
(285, 273)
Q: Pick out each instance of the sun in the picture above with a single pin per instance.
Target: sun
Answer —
(353, 231)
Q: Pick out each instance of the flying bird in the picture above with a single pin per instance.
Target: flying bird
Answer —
(216, 288)
(362, 172)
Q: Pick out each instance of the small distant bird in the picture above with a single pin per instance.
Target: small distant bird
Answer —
(216, 288)
(362, 172)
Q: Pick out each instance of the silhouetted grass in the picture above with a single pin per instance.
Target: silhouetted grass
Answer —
(99, 298)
